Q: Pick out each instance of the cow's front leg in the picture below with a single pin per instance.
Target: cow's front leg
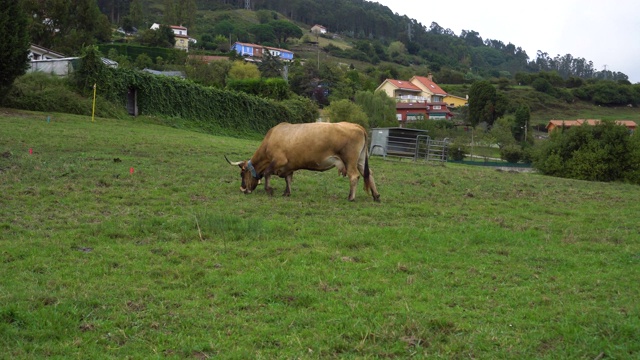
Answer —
(267, 185)
(287, 190)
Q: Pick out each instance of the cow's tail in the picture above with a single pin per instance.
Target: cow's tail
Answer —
(367, 173)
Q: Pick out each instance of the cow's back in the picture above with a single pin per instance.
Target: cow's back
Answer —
(304, 144)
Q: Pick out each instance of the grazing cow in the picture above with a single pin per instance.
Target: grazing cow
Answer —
(313, 146)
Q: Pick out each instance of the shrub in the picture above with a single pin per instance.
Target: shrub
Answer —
(44, 92)
(458, 150)
(511, 153)
(273, 88)
(604, 152)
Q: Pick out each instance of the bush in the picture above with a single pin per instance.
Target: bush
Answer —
(273, 88)
(511, 153)
(44, 92)
(458, 150)
(604, 152)
(345, 110)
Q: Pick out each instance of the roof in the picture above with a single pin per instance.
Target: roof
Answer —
(429, 84)
(262, 46)
(165, 73)
(592, 122)
(177, 27)
(208, 58)
(45, 51)
(404, 85)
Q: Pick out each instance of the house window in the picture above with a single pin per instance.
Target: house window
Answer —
(437, 107)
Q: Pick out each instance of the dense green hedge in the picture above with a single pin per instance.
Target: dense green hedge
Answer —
(133, 51)
(210, 107)
(273, 88)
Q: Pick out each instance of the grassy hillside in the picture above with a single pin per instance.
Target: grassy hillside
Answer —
(121, 239)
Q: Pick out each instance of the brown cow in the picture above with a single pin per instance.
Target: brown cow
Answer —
(313, 146)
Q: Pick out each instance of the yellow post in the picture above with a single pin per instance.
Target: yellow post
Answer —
(93, 111)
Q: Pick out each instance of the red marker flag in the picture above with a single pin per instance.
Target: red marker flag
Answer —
(131, 170)
(30, 151)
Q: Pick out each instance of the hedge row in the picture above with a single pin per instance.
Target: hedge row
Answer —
(207, 106)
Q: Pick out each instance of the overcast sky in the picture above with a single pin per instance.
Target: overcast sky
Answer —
(604, 32)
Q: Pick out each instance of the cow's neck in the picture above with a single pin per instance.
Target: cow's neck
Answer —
(259, 165)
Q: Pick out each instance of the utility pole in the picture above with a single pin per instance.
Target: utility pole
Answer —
(318, 46)
(247, 4)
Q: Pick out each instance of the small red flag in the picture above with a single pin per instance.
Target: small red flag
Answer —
(131, 170)
(30, 151)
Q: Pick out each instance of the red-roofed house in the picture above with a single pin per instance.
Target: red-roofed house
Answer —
(416, 99)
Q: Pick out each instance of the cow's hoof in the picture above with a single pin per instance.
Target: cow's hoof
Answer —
(376, 198)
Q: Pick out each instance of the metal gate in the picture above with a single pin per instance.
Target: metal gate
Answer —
(421, 147)
(428, 149)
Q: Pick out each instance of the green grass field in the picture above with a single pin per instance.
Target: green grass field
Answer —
(123, 239)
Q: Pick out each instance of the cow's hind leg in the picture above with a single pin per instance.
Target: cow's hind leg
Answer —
(288, 179)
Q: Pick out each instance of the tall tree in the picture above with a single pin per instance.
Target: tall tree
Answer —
(482, 103)
(136, 13)
(67, 25)
(271, 65)
(14, 47)
(284, 30)
(169, 15)
(522, 125)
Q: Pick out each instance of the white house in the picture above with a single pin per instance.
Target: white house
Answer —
(37, 52)
(318, 29)
(180, 34)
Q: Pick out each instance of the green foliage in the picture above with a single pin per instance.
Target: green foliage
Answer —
(143, 61)
(604, 152)
(14, 47)
(502, 131)
(209, 74)
(263, 33)
(458, 150)
(132, 51)
(482, 103)
(273, 88)
(209, 108)
(609, 93)
(301, 109)
(511, 153)
(346, 110)
(284, 29)
(67, 25)
(521, 129)
(379, 107)
(90, 70)
(271, 66)
(163, 37)
(543, 85)
(241, 70)
(53, 94)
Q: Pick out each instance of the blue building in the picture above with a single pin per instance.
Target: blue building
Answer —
(255, 52)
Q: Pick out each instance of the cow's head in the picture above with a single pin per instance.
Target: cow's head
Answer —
(248, 176)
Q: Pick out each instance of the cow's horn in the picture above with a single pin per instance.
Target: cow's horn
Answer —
(232, 163)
